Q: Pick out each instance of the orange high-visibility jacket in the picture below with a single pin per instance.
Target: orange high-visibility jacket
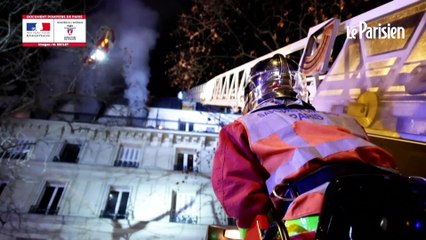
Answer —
(267, 147)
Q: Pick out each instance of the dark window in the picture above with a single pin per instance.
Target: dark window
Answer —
(49, 201)
(190, 163)
(2, 187)
(123, 204)
(182, 126)
(184, 162)
(179, 162)
(116, 205)
(69, 153)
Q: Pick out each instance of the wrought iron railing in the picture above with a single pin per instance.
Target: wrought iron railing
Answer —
(113, 216)
(184, 218)
(120, 163)
(45, 211)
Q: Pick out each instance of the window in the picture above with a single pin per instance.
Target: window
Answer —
(210, 129)
(186, 126)
(49, 201)
(116, 204)
(18, 149)
(128, 156)
(183, 209)
(2, 186)
(184, 162)
(69, 153)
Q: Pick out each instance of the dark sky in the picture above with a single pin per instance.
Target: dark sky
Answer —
(142, 28)
(166, 21)
(168, 11)
(134, 71)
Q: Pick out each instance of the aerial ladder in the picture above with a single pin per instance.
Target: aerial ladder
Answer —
(378, 79)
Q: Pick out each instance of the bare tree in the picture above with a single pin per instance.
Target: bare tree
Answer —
(218, 35)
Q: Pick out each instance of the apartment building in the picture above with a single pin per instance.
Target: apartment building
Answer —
(67, 179)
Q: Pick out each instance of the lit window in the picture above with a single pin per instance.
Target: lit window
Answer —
(18, 149)
(69, 153)
(49, 201)
(128, 156)
(184, 208)
(116, 204)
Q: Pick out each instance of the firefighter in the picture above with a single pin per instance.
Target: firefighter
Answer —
(277, 144)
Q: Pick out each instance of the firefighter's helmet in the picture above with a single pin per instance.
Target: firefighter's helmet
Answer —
(274, 78)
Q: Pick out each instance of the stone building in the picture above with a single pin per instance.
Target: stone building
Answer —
(67, 179)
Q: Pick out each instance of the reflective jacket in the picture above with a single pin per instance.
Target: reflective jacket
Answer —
(265, 148)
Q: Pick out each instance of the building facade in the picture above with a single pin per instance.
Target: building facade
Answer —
(61, 179)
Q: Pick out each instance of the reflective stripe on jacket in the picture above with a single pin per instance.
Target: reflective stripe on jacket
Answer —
(286, 139)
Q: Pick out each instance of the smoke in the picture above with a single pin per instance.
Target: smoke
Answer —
(67, 80)
(136, 37)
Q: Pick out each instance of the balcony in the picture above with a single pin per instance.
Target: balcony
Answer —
(119, 163)
(44, 211)
(113, 216)
(183, 218)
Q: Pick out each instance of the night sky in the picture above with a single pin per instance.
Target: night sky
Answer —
(142, 30)
(135, 70)
(168, 11)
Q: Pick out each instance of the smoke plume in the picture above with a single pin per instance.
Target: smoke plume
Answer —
(67, 80)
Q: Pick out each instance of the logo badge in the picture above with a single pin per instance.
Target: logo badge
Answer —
(31, 26)
(70, 28)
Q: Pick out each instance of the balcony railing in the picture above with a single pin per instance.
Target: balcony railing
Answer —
(178, 167)
(66, 160)
(149, 123)
(120, 163)
(45, 211)
(113, 216)
(13, 155)
(183, 218)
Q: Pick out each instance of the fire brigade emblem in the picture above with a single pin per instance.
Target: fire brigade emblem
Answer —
(70, 29)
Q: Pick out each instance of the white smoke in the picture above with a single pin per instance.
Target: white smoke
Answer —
(137, 73)
(135, 36)
(134, 26)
